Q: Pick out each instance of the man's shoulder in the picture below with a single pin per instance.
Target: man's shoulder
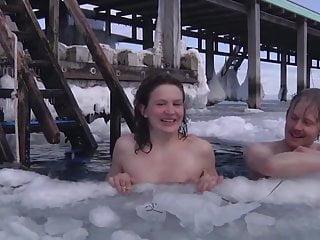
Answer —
(261, 148)
(317, 146)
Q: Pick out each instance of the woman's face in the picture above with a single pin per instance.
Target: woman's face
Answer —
(302, 125)
(165, 110)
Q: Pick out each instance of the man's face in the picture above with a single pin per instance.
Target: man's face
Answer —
(302, 125)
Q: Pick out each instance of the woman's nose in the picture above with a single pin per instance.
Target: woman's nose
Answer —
(170, 109)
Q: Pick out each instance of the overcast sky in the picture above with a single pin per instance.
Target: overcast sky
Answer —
(311, 4)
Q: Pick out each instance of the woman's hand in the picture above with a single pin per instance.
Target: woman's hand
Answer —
(122, 182)
(207, 181)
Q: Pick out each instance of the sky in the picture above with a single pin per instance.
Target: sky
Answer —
(311, 4)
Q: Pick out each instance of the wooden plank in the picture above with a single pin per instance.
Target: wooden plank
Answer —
(84, 71)
(10, 9)
(115, 122)
(46, 93)
(101, 60)
(301, 55)
(23, 125)
(254, 81)
(39, 107)
(52, 26)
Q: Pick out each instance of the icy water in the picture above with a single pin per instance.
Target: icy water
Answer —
(34, 206)
(60, 162)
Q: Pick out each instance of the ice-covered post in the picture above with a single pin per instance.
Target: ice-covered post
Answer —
(209, 56)
(283, 77)
(301, 54)
(254, 81)
(170, 18)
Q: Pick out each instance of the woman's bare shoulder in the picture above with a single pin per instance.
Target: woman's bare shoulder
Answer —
(199, 143)
(125, 141)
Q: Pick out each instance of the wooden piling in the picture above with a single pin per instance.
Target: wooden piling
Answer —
(254, 81)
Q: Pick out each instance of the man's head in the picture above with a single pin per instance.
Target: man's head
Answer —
(303, 119)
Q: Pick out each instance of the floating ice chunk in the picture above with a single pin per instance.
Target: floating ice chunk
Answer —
(76, 234)
(232, 212)
(151, 212)
(14, 177)
(22, 231)
(47, 237)
(252, 110)
(125, 235)
(257, 224)
(198, 212)
(44, 192)
(60, 225)
(103, 216)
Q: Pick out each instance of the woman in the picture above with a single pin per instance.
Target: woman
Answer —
(297, 154)
(160, 150)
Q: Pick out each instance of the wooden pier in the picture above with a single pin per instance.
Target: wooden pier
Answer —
(288, 34)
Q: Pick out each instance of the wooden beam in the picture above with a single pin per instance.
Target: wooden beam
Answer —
(115, 121)
(209, 57)
(302, 55)
(147, 32)
(254, 81)
(23, 125)
(170, 18)
(309, 65)
(231, 5)
(232, 57)
(101, 60)
(52, 26)
(283, 77)
(82, 71)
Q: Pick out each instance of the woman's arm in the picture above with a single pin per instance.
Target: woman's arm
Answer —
(209, 177)
(117, 177)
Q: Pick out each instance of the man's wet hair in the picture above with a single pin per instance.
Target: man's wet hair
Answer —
(142, 97)
(310, 96)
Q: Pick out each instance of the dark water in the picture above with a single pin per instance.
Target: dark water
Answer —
(60, 162)
(67, 165)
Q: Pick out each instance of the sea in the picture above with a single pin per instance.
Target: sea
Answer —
(60, 161)
(65, 195)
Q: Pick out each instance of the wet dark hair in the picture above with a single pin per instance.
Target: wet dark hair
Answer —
(312, 98)
(142, 97)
